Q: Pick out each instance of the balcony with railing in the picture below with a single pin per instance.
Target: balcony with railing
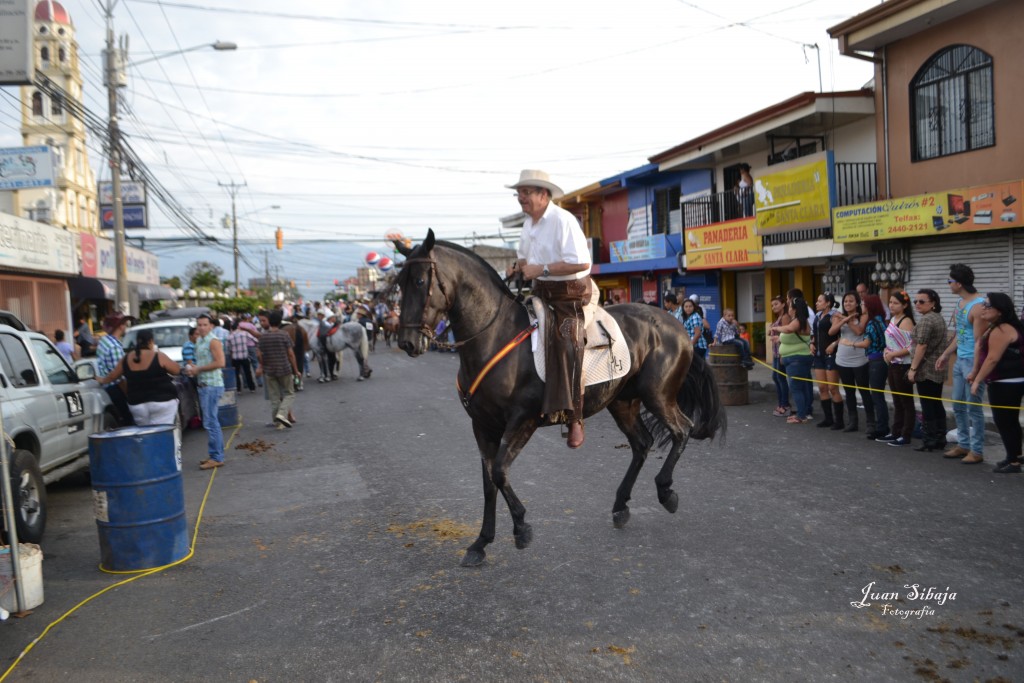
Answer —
(855, 184)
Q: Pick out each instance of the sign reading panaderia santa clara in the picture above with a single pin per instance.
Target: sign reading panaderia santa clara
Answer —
(724, 245)
(970, 209)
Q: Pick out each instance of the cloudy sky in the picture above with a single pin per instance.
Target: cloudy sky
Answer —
(358, 118)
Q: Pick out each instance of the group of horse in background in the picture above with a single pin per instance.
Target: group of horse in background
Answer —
(358, 335)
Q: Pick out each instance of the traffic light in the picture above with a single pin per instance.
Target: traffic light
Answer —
(279, 236)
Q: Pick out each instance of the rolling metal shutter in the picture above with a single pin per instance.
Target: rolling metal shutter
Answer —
(1018, 268)
(990, 256)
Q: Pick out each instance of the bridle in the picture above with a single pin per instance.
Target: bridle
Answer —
(424, 327)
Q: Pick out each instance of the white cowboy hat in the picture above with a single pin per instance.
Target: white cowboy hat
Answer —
(533, 178)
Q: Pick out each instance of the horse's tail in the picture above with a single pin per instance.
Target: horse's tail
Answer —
(699, 400)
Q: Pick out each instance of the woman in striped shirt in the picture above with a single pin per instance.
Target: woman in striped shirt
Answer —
(899, 342)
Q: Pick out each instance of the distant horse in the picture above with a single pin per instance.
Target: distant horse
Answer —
(390, 328)
(347, 336)
(668, 396)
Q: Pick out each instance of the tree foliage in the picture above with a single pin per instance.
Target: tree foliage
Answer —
(203, 274)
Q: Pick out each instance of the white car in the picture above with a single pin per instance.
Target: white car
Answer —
(168, 335)
(49, 413)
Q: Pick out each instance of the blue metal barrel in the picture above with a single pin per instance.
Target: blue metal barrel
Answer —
(227, 407)
(138, 497)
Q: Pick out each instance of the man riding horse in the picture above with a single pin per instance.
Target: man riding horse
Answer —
(553, 253)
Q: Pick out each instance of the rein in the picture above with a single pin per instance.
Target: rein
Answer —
(464, 396)
(424, 328)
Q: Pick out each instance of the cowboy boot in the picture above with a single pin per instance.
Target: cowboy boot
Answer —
(826, 408)
(837, 409)
(852, 424)
(576, 437)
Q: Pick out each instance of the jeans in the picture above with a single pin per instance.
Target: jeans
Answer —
(878, 372)
(852, 379)
(254, 364)
(120, 401)
(798, 370)
(970, 420)
(933, 415)
(781, 381)
(243, 366)
(744, 348)
(209, 397)
(1007, 420)
(903, 415)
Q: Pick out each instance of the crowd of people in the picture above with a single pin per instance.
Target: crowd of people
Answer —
(268, 350)
(858, 344)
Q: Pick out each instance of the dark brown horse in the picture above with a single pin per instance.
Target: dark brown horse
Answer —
(390, 327)
(668, 396)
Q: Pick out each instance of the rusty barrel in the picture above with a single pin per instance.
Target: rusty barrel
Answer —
(731, 377)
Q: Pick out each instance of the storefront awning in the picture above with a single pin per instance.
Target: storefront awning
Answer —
(639, 266)
(91, 288)
(98, 290)
(154, 292)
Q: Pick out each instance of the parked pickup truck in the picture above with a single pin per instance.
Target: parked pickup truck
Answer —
(48, 414)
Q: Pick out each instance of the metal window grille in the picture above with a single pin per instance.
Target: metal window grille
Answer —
(952, 103)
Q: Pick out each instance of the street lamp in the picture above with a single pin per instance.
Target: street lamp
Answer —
(220, 46)
(115, 60)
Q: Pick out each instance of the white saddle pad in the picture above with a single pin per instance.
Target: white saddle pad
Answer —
(604, 359)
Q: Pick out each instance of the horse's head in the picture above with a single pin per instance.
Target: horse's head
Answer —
(424, 296)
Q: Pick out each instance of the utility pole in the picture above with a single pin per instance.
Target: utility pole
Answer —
(116, 78)
(233, 191)
(266, 266)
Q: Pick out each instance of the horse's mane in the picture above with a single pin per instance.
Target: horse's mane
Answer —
(488, 268)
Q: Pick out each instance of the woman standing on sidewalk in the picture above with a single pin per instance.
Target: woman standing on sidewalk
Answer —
(874, 349)
(930, 340)
(795, 348)
(694, 324)
(1001, 364)
(853, 364)
(152, 396)
(823, 352)
(782, 317)
(898, 350)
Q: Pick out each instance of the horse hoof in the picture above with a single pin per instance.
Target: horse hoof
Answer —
(671, 502)
(524, 537)
(620, 518)
(473, 558)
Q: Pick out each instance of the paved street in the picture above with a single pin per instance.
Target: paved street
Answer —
(330, 553)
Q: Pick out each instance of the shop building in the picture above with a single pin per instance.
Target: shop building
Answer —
(682, 223)
(36, 261)
(948, 140)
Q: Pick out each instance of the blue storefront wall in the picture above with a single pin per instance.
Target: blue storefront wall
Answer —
(642, 188)
(705, 284)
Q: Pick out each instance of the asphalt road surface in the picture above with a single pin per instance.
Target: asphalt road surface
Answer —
(330, 552)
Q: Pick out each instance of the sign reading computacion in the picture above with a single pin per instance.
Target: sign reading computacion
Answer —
(970, 209)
